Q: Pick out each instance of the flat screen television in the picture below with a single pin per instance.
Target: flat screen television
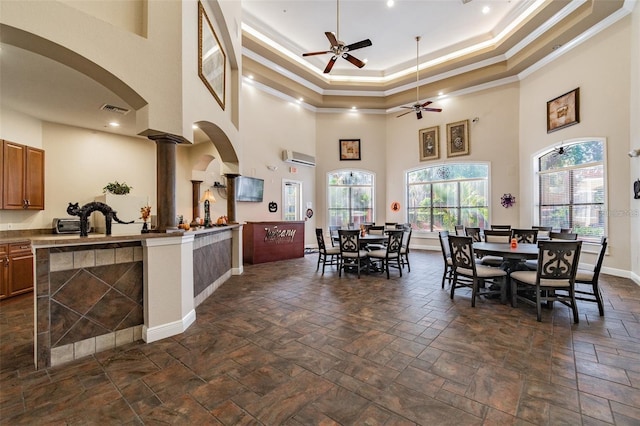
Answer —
(249, 189)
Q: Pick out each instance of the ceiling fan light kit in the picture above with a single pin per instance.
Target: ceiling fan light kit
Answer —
(418, 107)
(338, 48)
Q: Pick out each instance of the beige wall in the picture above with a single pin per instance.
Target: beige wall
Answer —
(371, 130)
(493, 139)
(634, 140)
(601, 71)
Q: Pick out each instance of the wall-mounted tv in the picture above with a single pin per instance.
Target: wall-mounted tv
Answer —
(249, 189)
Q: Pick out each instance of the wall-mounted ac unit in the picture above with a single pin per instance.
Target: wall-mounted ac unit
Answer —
(298, 158)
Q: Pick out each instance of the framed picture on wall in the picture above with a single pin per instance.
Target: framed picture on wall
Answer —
(211, 57)
(429, 140)
(563, 111)
(458, 138)
(349, 149)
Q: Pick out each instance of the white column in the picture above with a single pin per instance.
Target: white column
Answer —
(168, 286)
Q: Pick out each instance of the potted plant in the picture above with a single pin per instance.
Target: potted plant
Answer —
(117, 188)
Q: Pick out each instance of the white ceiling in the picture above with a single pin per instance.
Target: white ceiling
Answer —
(443, 25)
(47, 90)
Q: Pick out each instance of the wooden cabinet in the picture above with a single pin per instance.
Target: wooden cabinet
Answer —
(22, 177)
(16, 276)
(271, 241)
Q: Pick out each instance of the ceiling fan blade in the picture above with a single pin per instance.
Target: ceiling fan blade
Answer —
(355, 61)
(332, 38)
(419, 114)
(432, 109)
(359, 45)
(316, 53)
(408, 107)
(405, 113)
(332, 62)
(426, 103)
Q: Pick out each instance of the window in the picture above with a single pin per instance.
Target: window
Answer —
(440, 197)
(571, 188)
(350, 198)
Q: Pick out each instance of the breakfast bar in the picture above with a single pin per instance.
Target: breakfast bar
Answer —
(98, 292)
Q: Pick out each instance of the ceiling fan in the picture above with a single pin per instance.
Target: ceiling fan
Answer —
(339, 49)
(418, 107)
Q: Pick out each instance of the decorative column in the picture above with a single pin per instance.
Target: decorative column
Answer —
(195, 201)
(166, 180)
(231, 197)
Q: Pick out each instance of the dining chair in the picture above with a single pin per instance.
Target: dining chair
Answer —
(447, 275)
(495, 236)
(404, 250)
(525, 236)
(390, 254)
(557, 267)
(333, 233)
(390, 225)
(459, 229)
(326, 255)
(586, 277)
(376, 230)
(351, 256)
(565, 230)
(474, 233)
(501, 227)
(543, 231)
(563, 236)
(466, 273)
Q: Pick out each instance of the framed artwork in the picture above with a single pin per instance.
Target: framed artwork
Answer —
(563, 111)
(211, 57)
(429, 140)
(349, 149)
(458, 138)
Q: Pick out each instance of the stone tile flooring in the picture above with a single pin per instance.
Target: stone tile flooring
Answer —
(282, 344)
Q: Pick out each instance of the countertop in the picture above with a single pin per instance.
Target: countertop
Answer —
(40, 239)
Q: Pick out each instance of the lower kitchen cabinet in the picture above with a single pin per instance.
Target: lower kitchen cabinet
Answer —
(16, 276)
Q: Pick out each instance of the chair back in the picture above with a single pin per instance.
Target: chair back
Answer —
(443, 236)
(563, 236)
(603, 249)
(565, 230)
(525, 236)
(406, 237)
(395, 242)
(459, 229)
(376, 230)
(501, 227)
(390, 225)
(320, 237)
(543, 228)
(462, 252)
(497, 236)
(333, 233)
(558, 260)
(349, 241)
(474, 233)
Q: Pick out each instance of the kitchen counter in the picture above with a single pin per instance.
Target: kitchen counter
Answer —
(47, 240)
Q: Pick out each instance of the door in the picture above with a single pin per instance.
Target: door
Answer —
(291, 200)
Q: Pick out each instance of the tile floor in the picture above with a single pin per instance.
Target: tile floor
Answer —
(282, 344)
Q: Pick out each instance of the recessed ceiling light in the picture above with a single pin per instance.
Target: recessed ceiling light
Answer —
(354, 108)
(114, 124)
(195, 126)
(301, 99)
(440, 93)
(390, 3)
(486, 10)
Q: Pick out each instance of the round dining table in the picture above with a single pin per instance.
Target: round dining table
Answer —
(514, 257)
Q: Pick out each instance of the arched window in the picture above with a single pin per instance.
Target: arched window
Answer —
(571, 187)
(442, 196)
(350, 198)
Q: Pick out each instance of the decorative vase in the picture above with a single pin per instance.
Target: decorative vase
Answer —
(145, 228)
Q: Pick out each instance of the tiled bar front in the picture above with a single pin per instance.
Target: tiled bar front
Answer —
(88, 299)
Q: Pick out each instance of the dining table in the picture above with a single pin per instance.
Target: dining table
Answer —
(372, 239)
(513, 257)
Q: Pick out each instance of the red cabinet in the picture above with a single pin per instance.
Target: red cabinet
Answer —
(271, 241)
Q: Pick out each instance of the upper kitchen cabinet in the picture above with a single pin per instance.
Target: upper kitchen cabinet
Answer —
(22, 177)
